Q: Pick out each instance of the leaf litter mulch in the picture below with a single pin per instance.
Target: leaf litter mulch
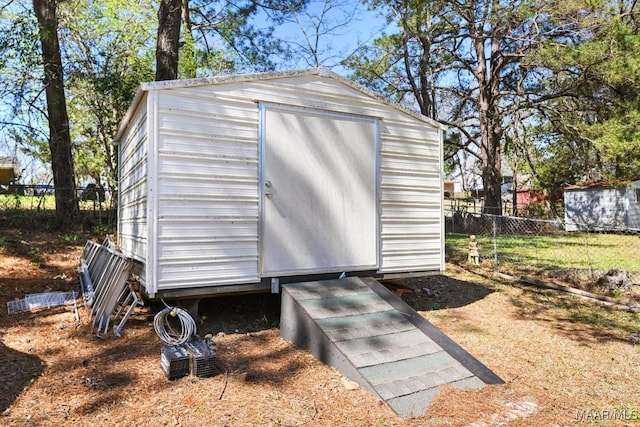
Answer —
(565, 361)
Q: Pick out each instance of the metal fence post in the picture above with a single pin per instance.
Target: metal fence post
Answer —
(453, 221)
(546, 245)
(495, 240)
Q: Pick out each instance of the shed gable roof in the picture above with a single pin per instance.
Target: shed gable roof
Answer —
(239, 78)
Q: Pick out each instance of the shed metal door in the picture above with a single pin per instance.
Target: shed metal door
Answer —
(319, 192)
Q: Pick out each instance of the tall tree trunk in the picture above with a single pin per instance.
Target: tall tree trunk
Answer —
(168, 42)
(491, 159)
(489, 121)
(491, 168)
(59, 136)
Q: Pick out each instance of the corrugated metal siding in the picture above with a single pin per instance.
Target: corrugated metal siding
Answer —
(596, 208)
(207, 196)
(133, 188)
(571, 201)
(613, 208)
(633, 218)
(411, 236)
(411, 199)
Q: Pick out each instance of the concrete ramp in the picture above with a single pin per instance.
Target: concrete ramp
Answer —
(375, 339)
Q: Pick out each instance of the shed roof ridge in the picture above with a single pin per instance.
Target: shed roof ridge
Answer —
(228, 78)
(270, 75)
(319, 71)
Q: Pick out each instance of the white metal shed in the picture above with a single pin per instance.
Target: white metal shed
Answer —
(233, 184)
(601, 207)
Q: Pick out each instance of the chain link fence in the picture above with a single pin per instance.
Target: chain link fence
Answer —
(526, 245)
(26, 204)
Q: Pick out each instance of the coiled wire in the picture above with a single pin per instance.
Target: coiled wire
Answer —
(166, 332)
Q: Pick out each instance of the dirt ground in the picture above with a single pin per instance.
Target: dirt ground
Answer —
(565, 361)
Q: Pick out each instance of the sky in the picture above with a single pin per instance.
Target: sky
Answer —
(340, 27)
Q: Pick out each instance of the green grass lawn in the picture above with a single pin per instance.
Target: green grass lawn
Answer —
(597, 251)
(14, 202)
(11, 202)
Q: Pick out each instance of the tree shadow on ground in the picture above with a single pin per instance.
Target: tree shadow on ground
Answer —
(14, 381)
(240, 321)
(437, 292)
(242, 327)
(580, 320)
(256, 358)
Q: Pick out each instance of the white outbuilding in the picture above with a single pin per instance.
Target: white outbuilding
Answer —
(239, 183)
(603, 207)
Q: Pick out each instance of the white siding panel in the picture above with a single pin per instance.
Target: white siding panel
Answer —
(188, 208)
(599, 208)
(203, 191)
(411, 198)
(194, 262)
(304, 91)
(633, 211)
(132, 204)
(179, 230)
(409, 166)
(207, 231)
(206, 273)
